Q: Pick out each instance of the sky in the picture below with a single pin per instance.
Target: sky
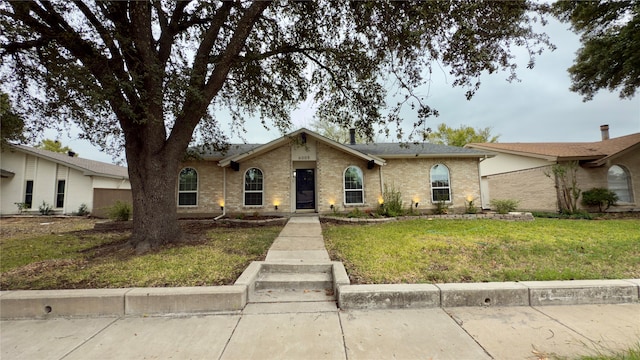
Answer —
(539, 108)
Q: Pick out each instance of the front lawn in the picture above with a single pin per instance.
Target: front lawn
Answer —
(95, 259)
(448, 251)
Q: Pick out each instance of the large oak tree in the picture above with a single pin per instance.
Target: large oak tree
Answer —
(610, 54)
(148, 75)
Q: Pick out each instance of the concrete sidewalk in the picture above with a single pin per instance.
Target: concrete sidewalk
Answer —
(319, 330)
(300, 331)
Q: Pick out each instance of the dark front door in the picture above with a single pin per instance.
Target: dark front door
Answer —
(305, 189)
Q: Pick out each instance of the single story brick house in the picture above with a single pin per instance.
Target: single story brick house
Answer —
(519, 170)
(32, 176)
(306, 172)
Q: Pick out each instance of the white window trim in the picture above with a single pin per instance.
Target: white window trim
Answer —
(245, 191)
(344, 188)
(629, 185)
(196, 191)
(434, 201)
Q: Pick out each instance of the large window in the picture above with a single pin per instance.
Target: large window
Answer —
(620, 183)
(60, 194)
(188, 187)
(440, 183)
(353, 186)
(28, 194)
(253, 187)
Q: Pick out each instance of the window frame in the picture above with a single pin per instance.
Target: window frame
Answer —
(59, 201)
(28, 195)
(253, 191)
(447, 187)
(190, 191)
(628, 189)
(352, 190)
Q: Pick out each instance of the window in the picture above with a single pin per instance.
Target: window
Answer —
(60, 194)
(619, 182)
(440, 184)
(353, 190)
(253, 187)
(188, 187)
(28, 194)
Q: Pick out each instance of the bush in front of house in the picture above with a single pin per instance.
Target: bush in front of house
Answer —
(120, 211)
(391, 202)
(599, 197)
(504, 206)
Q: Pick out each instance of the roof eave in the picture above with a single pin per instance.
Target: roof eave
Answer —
(439, 156)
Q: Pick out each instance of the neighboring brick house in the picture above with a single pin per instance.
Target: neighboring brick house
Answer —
(32, 176)
(519, 170)
(306, 172)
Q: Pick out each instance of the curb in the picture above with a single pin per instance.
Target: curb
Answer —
(46, 304)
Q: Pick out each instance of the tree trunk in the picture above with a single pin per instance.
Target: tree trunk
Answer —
(153, 184)
(153, 173)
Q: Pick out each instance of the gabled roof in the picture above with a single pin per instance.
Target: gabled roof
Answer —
(598, 152)
(398, 150)
(377, 152)
(86, 166)
(294, 137)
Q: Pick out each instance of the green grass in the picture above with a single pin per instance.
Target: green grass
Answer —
(632, 353)
(69, 261)
(431, 251)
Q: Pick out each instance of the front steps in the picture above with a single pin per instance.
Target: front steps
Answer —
(293, 283)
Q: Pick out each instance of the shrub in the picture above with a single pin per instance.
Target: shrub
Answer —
(599, 197)
(441, 208)
(83, 210)
(392, 200)
(470, 207)
(21, 207)
(120, 211)
(504, 206)
(45, 209)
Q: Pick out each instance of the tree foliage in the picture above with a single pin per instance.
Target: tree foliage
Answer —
(461, 136)
(334, 132)
(610, 54)
(149, 74)
(11, 124)
(55, 146)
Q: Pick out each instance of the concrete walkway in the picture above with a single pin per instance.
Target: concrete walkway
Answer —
(319, 330)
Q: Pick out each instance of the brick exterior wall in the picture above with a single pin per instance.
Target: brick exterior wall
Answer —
(537, 192)
(534, 190)
(410, 176)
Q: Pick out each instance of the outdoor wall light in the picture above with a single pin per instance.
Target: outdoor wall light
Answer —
(276, 206)
(417, 205)
(331, 206)
(221, 208)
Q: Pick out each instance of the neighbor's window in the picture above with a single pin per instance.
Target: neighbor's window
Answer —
(28, 194)
(253, 187)
(620, 183)
(188, 187)
(440, 183)
(60, 194)
(353, 186)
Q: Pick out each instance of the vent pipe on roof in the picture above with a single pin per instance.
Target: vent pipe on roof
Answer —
(604, 130)
(352, 136)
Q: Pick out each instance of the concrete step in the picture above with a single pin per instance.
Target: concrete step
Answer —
(296, 268)
(291, 295)
(294, 281)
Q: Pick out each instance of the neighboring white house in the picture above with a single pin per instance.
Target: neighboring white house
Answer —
(33, 176)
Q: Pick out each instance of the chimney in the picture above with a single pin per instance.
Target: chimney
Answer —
(604, 130)
(71, 153)
(352, 136)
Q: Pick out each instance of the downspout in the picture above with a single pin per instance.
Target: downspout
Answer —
(224, 194)
(381, 181)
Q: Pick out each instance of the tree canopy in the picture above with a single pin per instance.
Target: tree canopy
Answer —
(610, 54)
(55, 146)
(461, 136)
(11, 124)
(147, 75)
